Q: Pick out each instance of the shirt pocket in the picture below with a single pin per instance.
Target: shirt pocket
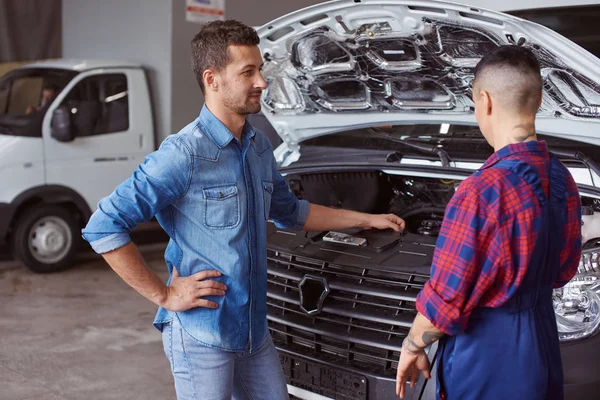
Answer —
(267, 194)
(221, 207)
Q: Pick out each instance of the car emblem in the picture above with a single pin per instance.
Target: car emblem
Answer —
(313, 290)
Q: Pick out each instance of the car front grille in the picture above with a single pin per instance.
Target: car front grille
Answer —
(363, 319)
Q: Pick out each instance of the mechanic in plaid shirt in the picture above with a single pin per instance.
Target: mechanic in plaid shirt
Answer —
(511, 233)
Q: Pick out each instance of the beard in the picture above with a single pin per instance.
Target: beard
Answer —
(247, 108)
(240, 106)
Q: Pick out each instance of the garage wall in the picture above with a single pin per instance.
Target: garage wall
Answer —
(132, 30)
(29, 30)
(187, 97)
(262, 11)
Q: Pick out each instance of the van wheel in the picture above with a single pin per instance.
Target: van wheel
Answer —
(44, 239)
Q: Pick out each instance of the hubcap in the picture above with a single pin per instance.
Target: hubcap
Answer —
(50, 240)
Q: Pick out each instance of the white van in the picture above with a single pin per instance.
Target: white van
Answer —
(70, 132)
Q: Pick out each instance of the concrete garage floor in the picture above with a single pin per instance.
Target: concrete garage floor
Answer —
(80, 334)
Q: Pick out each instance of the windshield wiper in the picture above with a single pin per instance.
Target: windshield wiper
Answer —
(424, 148)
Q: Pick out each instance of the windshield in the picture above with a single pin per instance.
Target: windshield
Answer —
(26, 95)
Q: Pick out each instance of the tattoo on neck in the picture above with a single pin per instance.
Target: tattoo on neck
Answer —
(527, 132)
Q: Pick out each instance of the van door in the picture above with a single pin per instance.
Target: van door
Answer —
(106, 147)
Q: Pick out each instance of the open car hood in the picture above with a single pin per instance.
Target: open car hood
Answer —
(353, 63)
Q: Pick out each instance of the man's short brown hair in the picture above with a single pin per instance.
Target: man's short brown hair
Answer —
(209, 46)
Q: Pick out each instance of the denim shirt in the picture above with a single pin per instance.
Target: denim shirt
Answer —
(213, 195)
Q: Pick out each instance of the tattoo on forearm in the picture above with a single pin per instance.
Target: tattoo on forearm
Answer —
(431, 336)
(428, 338)
(409, 344)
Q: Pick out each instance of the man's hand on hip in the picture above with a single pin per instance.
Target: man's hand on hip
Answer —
(188, 292)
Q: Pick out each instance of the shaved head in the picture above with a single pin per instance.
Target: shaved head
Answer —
(511, 76)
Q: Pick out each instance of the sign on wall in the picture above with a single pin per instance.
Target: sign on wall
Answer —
(204, 10)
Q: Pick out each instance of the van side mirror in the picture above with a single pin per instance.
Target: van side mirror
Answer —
(62, 130)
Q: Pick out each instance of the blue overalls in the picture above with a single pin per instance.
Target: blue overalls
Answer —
(512, 352)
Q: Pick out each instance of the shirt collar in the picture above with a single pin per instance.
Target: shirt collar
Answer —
(534, 146)
(218, 132)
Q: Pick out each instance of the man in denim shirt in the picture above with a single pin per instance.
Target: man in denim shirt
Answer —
(212, 187)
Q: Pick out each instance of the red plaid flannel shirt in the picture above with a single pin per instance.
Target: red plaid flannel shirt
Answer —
(479, 259)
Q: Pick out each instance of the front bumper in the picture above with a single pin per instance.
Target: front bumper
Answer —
(581, 365)
(307, 381)
(367, 386)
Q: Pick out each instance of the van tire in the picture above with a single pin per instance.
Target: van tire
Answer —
(45, 238)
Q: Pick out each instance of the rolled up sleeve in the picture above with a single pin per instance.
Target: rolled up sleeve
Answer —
(163, 177)
(110, 242)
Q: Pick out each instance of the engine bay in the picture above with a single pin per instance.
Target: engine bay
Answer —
(421, 202)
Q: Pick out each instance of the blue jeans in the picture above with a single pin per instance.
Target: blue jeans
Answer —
(206, 373)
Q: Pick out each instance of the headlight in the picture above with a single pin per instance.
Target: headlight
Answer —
(577, 304)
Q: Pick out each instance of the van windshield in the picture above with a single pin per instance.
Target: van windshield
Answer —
(26, 95)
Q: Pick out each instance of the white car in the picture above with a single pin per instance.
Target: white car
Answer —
(372, 102)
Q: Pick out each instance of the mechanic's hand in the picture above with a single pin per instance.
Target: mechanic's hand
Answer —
(385, 221)
(187, 292)
(409, 365)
